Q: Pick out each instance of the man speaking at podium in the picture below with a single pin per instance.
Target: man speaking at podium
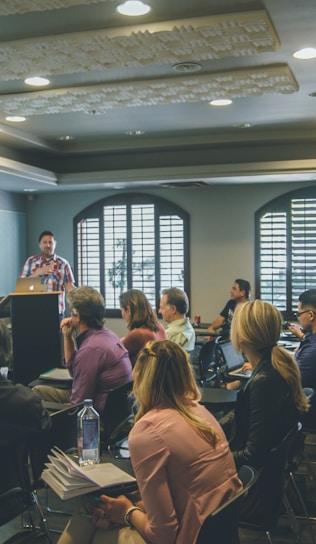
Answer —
(55, 271)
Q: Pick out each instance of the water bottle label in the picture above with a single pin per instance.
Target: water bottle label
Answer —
(90, 439)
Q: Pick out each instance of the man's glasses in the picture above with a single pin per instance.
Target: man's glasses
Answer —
(298, 314)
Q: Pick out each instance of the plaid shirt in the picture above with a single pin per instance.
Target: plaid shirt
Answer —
(56, 281)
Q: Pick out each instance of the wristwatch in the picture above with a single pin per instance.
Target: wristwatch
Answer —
(128, 513)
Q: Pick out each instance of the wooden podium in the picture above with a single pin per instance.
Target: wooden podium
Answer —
(35, 334)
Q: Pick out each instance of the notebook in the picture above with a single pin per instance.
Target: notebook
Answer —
(54, 374)
(27, 285)
(234, 361)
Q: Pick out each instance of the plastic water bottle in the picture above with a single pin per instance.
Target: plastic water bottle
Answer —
(88, 434)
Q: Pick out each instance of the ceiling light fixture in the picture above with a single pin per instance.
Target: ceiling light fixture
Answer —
(36, 81)
(15, 118)
(133, 8)
(305, 54)
(65, 138)
(221, 102)
(134, 132)
(243, 125)
(186, 67)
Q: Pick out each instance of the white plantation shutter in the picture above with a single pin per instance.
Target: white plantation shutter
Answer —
(286, 249)
(133, 242)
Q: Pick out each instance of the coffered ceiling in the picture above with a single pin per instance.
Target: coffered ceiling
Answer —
(128, 99)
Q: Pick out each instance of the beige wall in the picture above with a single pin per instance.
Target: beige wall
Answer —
(221, 226)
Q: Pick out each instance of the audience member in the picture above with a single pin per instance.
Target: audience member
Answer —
(55, 271)
(240, 292)
(272, 401)
(96, 358)
(174, 305)
(305, 356)
(141, 321)
(22, 414)
(181, 459)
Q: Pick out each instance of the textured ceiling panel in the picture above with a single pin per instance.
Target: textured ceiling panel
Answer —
(181, 89)
(203, 38)
(9, 7)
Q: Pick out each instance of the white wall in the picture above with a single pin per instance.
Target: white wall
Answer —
(221, 226)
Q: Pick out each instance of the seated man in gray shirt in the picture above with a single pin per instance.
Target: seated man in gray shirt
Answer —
(174, 305)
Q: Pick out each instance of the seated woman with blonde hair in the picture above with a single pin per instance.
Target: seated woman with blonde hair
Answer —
(180, 456)
(141, 320)
(272, 401)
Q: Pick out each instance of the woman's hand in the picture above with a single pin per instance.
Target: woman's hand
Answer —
(246, 366)
(113, 509)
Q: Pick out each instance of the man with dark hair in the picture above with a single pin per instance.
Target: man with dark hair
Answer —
(95, 358)
(55, 271)
(240, 292)
(174, 305)
(305, 356)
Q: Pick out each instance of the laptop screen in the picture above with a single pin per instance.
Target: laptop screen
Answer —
(233, 358)
(30, 285)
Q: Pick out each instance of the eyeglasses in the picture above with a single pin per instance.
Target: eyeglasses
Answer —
(298, 314)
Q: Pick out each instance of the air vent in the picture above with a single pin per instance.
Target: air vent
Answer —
(184, 185)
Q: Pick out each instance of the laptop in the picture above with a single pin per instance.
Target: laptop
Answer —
(30, 285)
(25, 286)
(233, 360)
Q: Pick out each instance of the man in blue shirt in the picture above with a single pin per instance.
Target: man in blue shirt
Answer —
(306, 353)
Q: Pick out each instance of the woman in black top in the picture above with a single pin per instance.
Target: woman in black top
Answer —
(271, 402)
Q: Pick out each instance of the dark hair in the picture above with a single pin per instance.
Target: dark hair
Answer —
(46, 233)
(178, 298)
(90, 305)
(5, 345)
(244, 285)
(308, 298)
(141, 312)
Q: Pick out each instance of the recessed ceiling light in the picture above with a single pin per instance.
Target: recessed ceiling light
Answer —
(221, 102)
(304, 54)
(134, 132)
(36, 81)
(65, 138)
(243, 125)
(133, 8)
(15, 118)
(187, 67)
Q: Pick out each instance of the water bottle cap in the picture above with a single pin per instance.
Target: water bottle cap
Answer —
(87, 402)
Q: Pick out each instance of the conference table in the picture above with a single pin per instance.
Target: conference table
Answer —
(217, 399)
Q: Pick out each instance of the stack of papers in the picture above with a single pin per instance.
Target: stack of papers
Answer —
(64, 476)
(56, 374)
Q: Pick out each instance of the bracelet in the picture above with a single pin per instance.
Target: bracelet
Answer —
(128, 513)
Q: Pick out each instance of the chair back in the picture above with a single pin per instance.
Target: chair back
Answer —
(222, 525)
(62, 433)
(263, 505)
(206, 362)
(117, 408)
(15, 483)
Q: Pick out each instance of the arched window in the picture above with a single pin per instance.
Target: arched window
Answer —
(132, 241)
(286, 249)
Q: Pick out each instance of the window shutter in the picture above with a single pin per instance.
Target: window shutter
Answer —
(303, 241)
(273, 258)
